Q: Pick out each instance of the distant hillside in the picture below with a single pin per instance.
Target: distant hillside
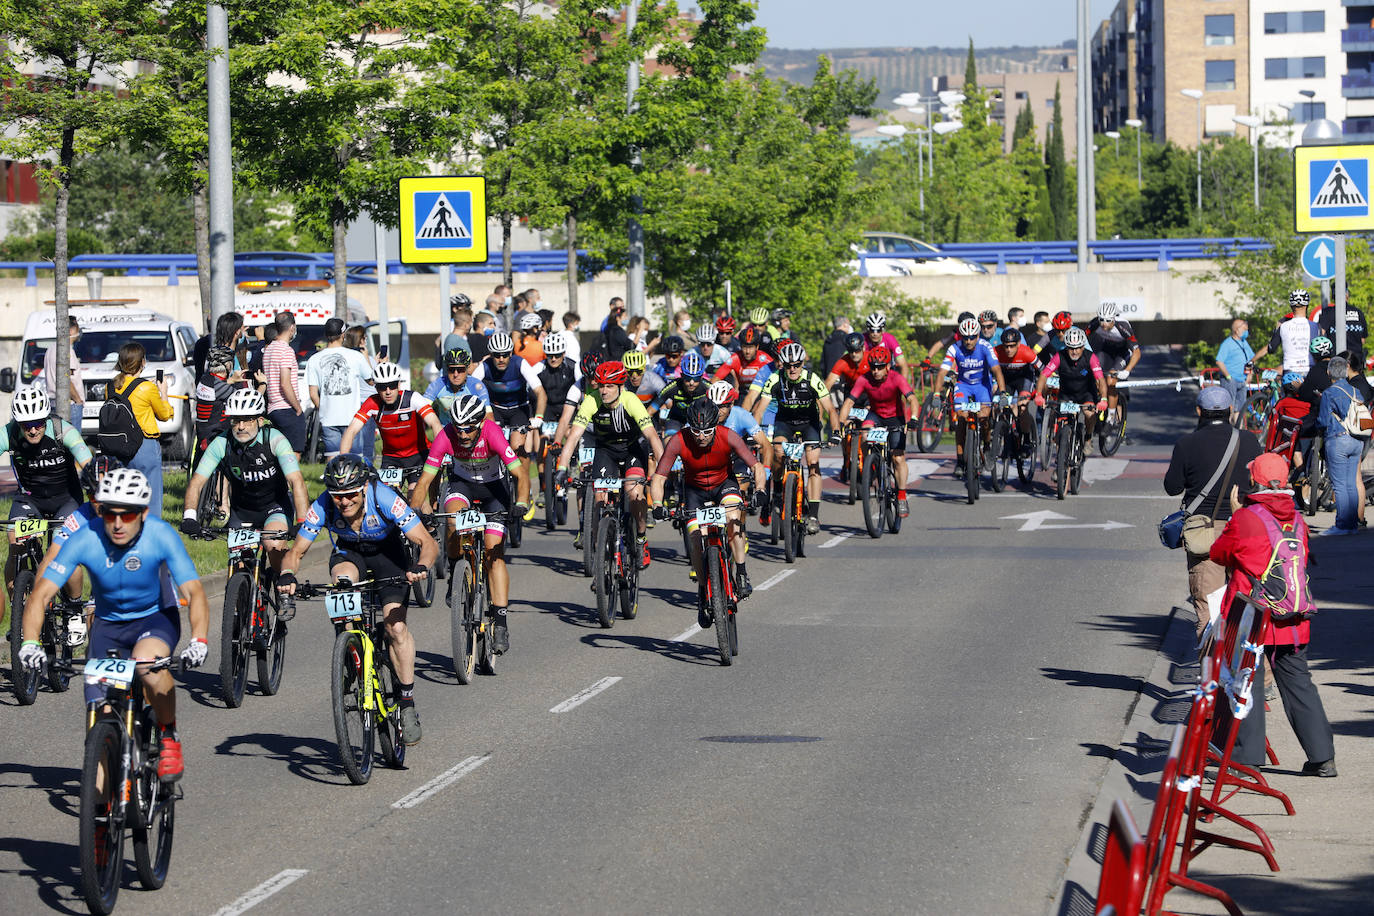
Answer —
(906, 69)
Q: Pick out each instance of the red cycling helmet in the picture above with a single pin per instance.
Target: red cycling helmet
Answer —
(750, 336)
(725, 324)
(611, 372)
(1062, 321)
(879, 356)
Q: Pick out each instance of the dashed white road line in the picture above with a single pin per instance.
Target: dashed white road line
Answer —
(440, 782)
(835, 540)
(686, 634)
(771, 581)
(583, 696)
(266, 889)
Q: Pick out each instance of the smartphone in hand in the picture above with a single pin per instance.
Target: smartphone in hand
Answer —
(159, 376)
(382, 351)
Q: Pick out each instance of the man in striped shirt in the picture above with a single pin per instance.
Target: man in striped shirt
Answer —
(280, 367)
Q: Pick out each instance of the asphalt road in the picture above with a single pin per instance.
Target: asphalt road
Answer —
(916, 724)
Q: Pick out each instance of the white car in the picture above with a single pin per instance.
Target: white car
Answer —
(904, 256)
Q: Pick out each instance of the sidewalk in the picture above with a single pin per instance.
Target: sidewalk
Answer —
(1326, 850)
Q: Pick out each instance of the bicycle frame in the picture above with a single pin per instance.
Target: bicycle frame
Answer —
(125, 704)
(716, 535)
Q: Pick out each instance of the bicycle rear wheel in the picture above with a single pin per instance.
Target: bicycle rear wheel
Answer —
(235, 634)
(486, 646)
(389, 725)
(354, 725)
(153, 842)
(550, 494)
(932, 417)
(1109, 435)
(893, 517)
(25, 680)
(629, 583)
(1000, 463)
(789, 524)
(462, 623)
(1047, 442)
(1079, 447)
(855, 465)
(1064, 461)
(603, 577)
(720, 605)
(272, 659)
(101, 830)
(971, 461)
(873, 495)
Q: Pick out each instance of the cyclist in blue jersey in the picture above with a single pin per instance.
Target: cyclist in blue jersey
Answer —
(512, 384)
(452, 382)
(124, 557)
(369, 524)
(978, 376)
(670, 366)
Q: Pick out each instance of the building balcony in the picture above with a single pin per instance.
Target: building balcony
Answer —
(1358, 3)
(1358, 85)
(1357, 130)
(1353, 40)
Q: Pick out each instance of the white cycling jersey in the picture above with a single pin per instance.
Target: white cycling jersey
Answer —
(1295, 335)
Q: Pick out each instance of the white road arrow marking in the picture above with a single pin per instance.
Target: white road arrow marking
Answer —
(1037, 521)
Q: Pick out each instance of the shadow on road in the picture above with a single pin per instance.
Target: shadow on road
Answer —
(54, 869)
(687, 652)
(578, 615)
(435, 668)
(1142, 631)
(1106, 680)
(63, 784)
(309, 758)
(204, 687)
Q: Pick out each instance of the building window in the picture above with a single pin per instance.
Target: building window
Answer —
(1290, 23)
(1221, 75)
(1293, 68)
(1219, 30)
(1022, 95)
(1308, 111)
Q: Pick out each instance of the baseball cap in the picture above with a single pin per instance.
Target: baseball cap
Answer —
(1269, 470)
(1214, 397)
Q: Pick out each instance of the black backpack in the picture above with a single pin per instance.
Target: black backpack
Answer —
(118, 433)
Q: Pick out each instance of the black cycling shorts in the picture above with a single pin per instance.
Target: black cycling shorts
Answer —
(791, 432)
(618, 459)
(377, 560)
(30, 505)
(694, 498)
(511, 417)
(123, 635)
(493, 497)
(258, 518)
(896, 426)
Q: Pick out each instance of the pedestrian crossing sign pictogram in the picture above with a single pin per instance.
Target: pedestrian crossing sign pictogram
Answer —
(444, 219)
(1332, 188)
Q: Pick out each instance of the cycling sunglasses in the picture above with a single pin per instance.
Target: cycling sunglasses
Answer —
(346, 494)
(468, 430)
(32, 424)
(124, 515)
(389, 386)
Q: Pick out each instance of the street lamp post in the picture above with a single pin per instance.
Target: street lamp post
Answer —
(1196, 95)
(1253, 123)
(1116, 142)
(1135, 124)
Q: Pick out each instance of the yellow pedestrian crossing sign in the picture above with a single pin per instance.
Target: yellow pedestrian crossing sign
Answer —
(1331, 184)
(444, 219)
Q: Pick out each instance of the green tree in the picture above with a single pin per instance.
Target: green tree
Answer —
(1062, 200)
(970, 69)
(55, 49)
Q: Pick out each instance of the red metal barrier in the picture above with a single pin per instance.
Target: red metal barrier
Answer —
(1121, 889)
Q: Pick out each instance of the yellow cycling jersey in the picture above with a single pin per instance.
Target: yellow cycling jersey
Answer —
(622, 422)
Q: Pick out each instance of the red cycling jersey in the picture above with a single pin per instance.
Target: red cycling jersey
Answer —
(885, 398)
(745, 373)
(847, 368)
(402, 426)
(704, 468)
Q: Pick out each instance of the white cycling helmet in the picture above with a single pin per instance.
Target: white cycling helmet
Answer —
(500, 344)
(1299, 297)
(124, 487)
(707, 332)
(875, 322)
(721, 393)
(31, 404)
(1108, 311)
(246, 402)
(969, 327)
(530, 321)
(1074, 337)
(555, 344)
(386, 374)
(467, 410)
(791, 354)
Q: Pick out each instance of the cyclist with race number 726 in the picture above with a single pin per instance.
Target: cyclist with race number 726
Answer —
(887, 393)
(369, 524)
(707, 451)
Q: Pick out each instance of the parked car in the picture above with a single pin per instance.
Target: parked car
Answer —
(915, 258)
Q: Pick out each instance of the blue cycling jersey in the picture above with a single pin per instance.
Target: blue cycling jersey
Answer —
(741, 422)
(385, 512)
(770, 413)
(441, 396)
(972, 367)
(81, 518)
(125, 581)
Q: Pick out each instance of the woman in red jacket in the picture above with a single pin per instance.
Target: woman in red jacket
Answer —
(1245, 545)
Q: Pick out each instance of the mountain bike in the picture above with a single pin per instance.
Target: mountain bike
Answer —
(789, 519)
(853, 445)
(365, 692)
(31, 538)
(1111, 426)
(213, 506)
(1258, 408)
(975, 455)
(254, 617)
(616, 558)
(1320, 494)
(937, 412)
(718, 564)
(1070, 435)
(470, 621)
(1006, 440)
(555, 500)
(120, 788)
(879, 484)
(402, 480)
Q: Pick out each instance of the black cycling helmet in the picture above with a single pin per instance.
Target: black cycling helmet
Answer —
(964, 316)
(345, 473)
(854, 342)
(1010, 337)
(590, 360)
(457, 358)
(703, 414)
(673, 346)
(97, 468)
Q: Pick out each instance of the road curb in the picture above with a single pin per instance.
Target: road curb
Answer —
(1133, 774)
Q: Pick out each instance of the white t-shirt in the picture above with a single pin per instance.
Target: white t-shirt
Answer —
(574, 354)
(341, 375)
(50, 369)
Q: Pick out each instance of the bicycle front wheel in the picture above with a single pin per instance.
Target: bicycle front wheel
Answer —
(603, 576)
(997, 459)
(235, 634)
(354, 724)
(789, 523)
(101, 829)
(873, 496)
(971, 461)
(855, 468)
(1109, 435)
(25, 679)
(1065, 460)
(462, 623)
(714, 563)
(892, 516)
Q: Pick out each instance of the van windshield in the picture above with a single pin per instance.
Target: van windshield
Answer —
(32, 363)
(103, 346)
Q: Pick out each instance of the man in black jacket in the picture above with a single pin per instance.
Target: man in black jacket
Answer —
(614, 340)
(1195, 460)
(833, 348)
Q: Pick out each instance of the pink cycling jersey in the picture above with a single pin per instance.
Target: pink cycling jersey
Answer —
(888, 341)
(1052, 366)
(886, 398)
(480, 462)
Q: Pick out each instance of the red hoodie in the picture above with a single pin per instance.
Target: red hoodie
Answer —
(1244, 544)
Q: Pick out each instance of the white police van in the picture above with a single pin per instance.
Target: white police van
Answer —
(106, 325)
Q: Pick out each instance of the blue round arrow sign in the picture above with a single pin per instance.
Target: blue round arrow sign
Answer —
(1319, 257)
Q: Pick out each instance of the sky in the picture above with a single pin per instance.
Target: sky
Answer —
(800, 24)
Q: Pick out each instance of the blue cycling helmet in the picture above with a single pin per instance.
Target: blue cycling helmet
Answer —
(693, 366)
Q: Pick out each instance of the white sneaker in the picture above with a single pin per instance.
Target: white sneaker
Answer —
(76, 630)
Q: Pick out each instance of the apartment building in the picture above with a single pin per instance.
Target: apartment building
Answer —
(1192, 67)
(1114, 71)
(1296, 66)
(1357, 84)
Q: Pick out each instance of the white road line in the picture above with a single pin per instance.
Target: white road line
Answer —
(266, 889)
(1079, 496)
(771, 581)
(686, 634)
(835, 540)
(583, 696)
(441, 782)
